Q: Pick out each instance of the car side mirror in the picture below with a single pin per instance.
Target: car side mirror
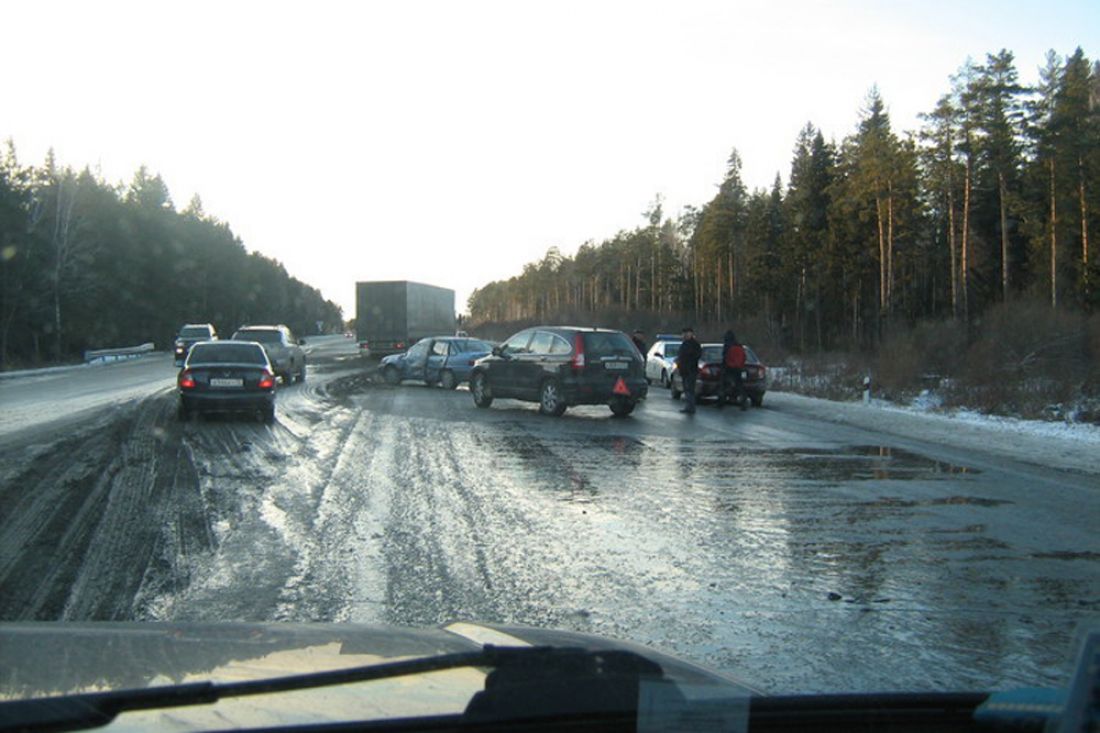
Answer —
(301, 342)
(497, 351)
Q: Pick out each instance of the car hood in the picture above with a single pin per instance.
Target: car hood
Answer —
(49, 659)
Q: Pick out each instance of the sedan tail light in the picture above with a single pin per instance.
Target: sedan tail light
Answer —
(267, 381)
(186, 380)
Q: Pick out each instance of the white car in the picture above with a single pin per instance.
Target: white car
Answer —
(659, 361)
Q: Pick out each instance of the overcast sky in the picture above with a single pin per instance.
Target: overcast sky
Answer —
(452, 142)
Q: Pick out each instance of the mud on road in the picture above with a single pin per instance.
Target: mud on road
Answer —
(795, 554)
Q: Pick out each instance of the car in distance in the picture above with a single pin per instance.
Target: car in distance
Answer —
(661, 358)
(226, 376)
(559, 367)
(753, 375)
(442, 360)
(189, 335)
(285, 352)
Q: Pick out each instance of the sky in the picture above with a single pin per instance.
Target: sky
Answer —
(453, 142)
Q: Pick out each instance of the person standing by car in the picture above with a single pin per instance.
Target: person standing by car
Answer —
(733, 362)
(687, 363)
(639, 342)
(728, 340)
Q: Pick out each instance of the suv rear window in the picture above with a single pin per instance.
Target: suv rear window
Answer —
(223, 353)
(195, 332)
(264, 336)
(608, 343)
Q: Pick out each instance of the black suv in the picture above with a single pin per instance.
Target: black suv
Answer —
(189, 335)
(559, 366)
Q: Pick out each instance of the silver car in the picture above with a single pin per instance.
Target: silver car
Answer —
(285, 352)
(660, 359)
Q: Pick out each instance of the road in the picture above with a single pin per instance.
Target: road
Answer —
(796, 553)
(42, 402)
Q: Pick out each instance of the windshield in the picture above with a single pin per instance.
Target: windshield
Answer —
(469, 238)
(711, 354)
(263, 336)
(601, 344)
(224, 353)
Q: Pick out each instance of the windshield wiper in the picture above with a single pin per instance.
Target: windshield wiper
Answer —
(91, 710)
(541, 688)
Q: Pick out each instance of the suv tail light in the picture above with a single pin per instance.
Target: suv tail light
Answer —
(186, 381)
(578, 351)
(267, 381)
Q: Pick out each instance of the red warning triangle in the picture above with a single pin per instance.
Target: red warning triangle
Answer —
(620, 388)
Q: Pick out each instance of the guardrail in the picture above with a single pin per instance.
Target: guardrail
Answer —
(99, 356)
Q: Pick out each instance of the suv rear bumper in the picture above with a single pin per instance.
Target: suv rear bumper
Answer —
(588, 393)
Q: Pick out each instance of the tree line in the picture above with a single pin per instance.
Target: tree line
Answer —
(994, 198)
(87, 264)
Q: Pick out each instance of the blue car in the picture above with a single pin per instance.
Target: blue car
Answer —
(442, 360)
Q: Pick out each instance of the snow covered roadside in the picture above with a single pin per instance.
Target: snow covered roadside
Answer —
(1067, 446)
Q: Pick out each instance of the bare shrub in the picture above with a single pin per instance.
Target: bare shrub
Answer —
(920, 357)
(1026, 360)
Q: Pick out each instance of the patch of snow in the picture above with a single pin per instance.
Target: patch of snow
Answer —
(1060, 445)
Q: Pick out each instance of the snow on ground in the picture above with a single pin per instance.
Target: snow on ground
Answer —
(1067, 446)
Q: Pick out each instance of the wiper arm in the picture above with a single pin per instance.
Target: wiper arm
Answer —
(91, 710)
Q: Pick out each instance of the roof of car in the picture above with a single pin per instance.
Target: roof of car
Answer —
(262, 328)
(231, 343)
(590, 329)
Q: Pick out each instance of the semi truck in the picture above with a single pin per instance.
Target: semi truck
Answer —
(392, 315)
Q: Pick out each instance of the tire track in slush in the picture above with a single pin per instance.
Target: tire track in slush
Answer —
(129, 529)
(264, 486)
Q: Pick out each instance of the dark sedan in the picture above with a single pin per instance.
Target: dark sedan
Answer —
(227, 376)
(559, 367)
(189, 335)
(709, 384)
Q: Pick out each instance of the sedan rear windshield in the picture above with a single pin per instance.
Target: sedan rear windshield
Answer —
(608, 343)
(712, 354)
(195, 332)
(227, 354)
(263, 336)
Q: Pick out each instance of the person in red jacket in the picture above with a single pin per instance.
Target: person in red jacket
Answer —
(733, 363)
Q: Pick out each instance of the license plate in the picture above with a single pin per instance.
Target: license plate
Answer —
(620, 365)
(219, 382)
(744, 375)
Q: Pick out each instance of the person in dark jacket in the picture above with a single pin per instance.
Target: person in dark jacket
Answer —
(733, 362)
(639, 341)
(687, 363)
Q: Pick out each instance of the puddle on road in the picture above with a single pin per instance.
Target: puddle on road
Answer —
(579, 465)
(863, 462)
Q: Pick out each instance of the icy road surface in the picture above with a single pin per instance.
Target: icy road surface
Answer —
(56, 397)
(787, 545)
